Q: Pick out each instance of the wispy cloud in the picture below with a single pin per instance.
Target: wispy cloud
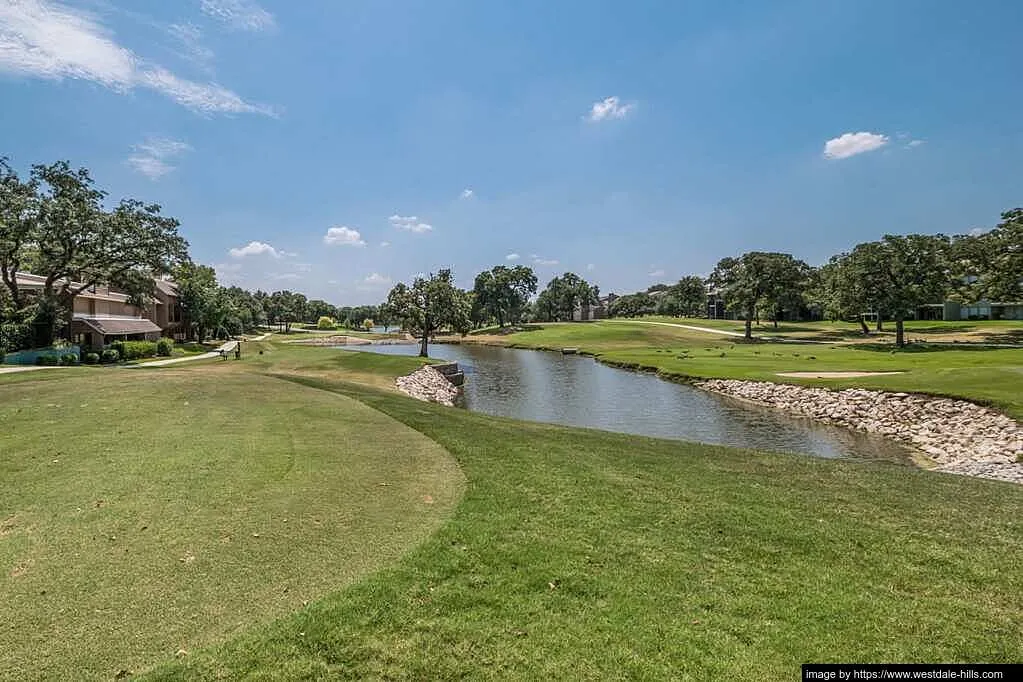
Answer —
(285, 276)
(590, 267)
(409, 223)
(609, 108)
(189, 37)
(255, 248)
(240, 15)
(467, 193)
(512, 256)
(153, 158)
(384, 245)
(656, 273)
(46, 39)
(343, 236)
(851, 144)
(914, 143)
(537, 260)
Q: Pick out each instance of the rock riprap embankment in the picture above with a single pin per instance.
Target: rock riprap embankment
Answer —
(959, 436)
(429, 385)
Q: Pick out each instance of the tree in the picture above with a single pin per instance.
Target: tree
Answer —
(284, 308)
(64, 235)
(633, 305)
(19, 208)
(502, 292)
(687, 297)
(558, 301)
(787, 282)
(317, 308)
(758, 280)
(199, 295)
(368, 324)
(430, 304)
(897, 274)
(989, 266)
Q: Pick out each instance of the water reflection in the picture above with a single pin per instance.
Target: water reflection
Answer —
(577, 391)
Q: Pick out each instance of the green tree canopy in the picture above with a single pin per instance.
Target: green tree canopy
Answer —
(430, 304)
(502, 293)
(562, 295)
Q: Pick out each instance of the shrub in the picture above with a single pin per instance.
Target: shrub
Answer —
(69, 359)
(48, 360)
(90, 358)
(324, 323)
(109, 355)
(164, 347)
(133, 350)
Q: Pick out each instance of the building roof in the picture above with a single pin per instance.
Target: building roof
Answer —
(165, 286)
(108, 326)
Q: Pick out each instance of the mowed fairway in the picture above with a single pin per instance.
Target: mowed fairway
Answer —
(143, 513)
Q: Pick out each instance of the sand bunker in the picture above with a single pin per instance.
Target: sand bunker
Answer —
(833, 375)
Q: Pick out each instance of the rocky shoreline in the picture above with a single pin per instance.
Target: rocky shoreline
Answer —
(958, 436)
(428, 385)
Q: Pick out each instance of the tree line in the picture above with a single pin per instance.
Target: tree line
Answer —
(54, 224)
(887, 279)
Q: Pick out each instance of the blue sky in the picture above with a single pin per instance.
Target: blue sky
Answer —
(336, 147)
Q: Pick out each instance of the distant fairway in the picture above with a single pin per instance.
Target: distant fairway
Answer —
(141, 514)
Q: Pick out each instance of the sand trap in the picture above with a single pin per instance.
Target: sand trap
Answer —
(833, 375)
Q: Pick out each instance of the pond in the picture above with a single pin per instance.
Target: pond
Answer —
(576, 390)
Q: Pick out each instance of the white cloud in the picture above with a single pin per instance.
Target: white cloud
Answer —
(377, 279)
(333, 281)
(46, 39)
(255, 249)
(656, 273)
(374, 282)
(590, 267)
(851, 144)
(384, 245)
(512, 256)
(285, 276)
(977, 231)
(153, 157)
(409, 223)
(343, 236)
(543, 261)
(190, 38)
(609, 108)
(240, 15)
(915, 143)
(466, 193)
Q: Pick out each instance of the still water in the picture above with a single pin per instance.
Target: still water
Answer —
(577, 391)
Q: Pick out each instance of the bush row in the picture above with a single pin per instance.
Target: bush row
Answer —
(53, 359)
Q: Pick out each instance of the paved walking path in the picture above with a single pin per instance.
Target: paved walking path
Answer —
(24, 368)
(725, 332)
(174, 361)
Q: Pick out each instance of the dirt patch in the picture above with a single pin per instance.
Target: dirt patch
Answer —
(833, 375)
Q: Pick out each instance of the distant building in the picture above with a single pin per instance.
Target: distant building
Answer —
(587, 312)
(981, 310)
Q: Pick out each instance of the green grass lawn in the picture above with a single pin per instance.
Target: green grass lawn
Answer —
(986, 375)
(586, 555)
(143, 515)
(573, 554)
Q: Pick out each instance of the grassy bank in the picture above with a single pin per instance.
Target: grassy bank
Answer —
(573, 554)
(986, 375)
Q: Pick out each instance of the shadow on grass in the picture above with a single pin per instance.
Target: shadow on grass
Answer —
(923, 347)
